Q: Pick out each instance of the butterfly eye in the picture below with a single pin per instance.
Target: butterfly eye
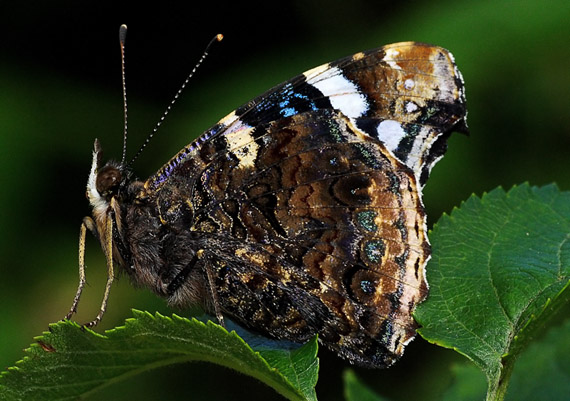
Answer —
(108, 180)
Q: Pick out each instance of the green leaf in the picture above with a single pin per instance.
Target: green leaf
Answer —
(500, 270)
(545, 361)
(70, 361)
(355, 390)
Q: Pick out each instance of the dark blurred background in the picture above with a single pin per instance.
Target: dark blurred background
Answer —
(60, 88)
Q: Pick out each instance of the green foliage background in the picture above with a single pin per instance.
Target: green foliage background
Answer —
(60, 88)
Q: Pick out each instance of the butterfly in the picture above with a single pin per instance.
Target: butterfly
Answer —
(300, 212)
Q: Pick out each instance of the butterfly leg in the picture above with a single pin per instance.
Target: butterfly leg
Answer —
(213, 290)
(108, 248)
(87, 223)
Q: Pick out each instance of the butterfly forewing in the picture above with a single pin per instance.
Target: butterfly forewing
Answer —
(300, 213)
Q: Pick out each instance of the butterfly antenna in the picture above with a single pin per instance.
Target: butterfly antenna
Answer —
(215, 39)
(122, 38)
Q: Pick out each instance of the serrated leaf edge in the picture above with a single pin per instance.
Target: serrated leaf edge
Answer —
(141, 315)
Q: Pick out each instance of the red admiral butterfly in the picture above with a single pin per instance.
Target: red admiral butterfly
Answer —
(301, 211)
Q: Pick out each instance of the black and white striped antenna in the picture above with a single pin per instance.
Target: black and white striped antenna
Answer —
(122, 37)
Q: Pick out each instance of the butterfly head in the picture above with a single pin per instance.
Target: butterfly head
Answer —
(103, 183)
(105, 188)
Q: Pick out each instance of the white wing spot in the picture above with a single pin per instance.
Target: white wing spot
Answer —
(342, 93)
(391, 133)
(411, 107)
